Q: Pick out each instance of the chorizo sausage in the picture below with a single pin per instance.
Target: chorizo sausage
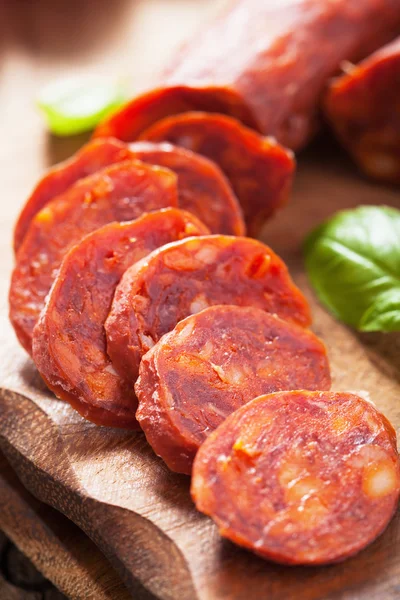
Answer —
(121, 192)
(94, 156)
(202, 187)
(184, 277)
(322, 469)
(265, 63)
(212, 363)
(69, 345)
(259, 169)
(363, 108)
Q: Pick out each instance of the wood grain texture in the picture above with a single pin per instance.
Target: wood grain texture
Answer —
(19, 578)
(55, 546)
(109, 482)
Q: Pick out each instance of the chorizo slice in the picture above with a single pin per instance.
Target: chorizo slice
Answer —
(92, 157)
(212, 363)
(300, 477)
(202, 187)
(259, 170)
(69, 344)
(121, 192)
(185, 277)
(363, 108)
(142, 112)
(257, 61)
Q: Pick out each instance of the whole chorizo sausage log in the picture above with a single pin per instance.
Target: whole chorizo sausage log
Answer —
(259, 170)
(69, 344)
(264, 62)
(202, 187)
(184, 277)
(321, 468)
(212, 363)
(121, 192)
(364, 110)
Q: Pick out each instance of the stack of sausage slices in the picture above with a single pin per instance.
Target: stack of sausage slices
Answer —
(144, 305)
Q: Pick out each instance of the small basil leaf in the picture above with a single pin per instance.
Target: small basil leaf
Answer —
(353, 259)
(384, 314)
(74, 105)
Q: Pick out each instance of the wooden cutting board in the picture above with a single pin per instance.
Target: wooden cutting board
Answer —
(108, 481)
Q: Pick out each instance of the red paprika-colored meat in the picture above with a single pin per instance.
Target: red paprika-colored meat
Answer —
(143, 111)
(92, 157)
(212, 363)
(300, 477)
(69, 344)
(121, 192)
(265, 62)
(202, 187)
(185, 277)
(364, 110)
(260, 171)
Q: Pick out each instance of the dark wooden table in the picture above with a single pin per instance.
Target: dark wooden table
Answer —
(19, 579)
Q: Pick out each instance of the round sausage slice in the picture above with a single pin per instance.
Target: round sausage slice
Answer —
(144, 110)
(202, 187)
(300, 477)
(211, 364)
(92, 157)
(185, 277)
(69, 344)
(259, 169)
(121, 192)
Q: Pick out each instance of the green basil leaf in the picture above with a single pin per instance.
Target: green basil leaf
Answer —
(384, 314)
(353, 261)
(74, 105)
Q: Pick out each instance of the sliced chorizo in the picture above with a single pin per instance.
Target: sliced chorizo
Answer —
(212, 363)
(69, 344)
(363, 108)
(185, 277)
(300, 477)
(264, 62)
(121, 192)
(259, 170)
(202, 187)
(92, 157)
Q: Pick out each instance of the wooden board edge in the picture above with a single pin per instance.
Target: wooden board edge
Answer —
(54, 545)
(147, 560)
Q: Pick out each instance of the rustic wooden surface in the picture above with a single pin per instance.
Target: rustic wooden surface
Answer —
(57, 547)
(108, 482)
(19, 579)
